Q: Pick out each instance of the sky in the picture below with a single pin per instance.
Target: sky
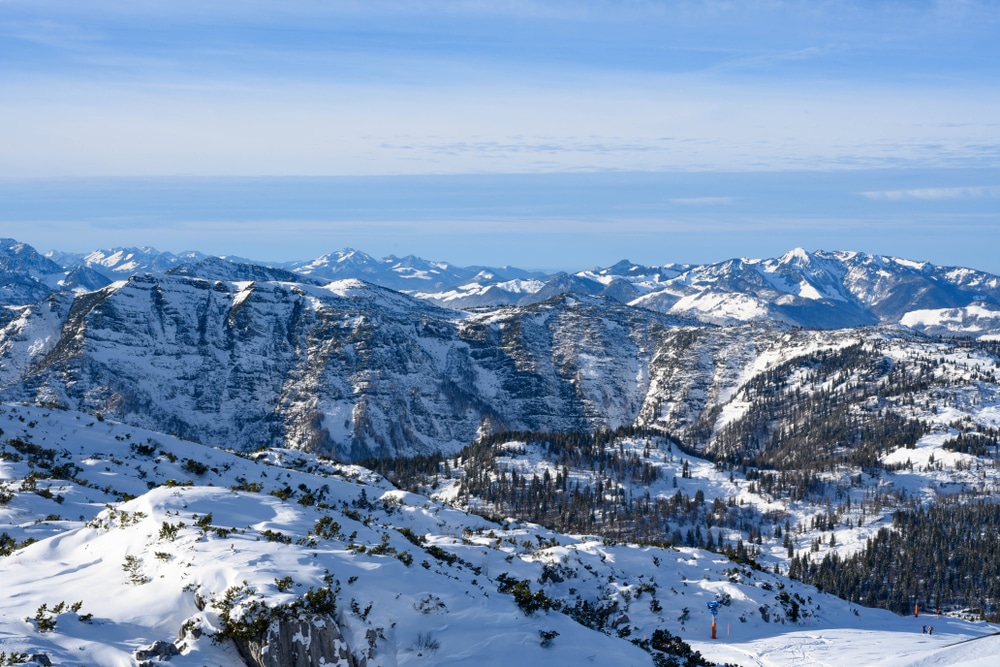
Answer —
(541, 134)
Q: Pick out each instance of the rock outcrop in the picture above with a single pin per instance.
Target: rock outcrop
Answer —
(298, 643)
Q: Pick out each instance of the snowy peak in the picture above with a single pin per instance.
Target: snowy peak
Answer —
(796, 256)
(337, 264)
(820, 289)
(25, 275)
(441, 283)
(17, 257)
(563, 284)
(119, 259)
(118, 263)
(643, 279)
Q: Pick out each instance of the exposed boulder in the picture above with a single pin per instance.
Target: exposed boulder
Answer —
(158, 650)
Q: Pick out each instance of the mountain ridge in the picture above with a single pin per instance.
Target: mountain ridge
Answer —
(227, 352)
(820, 289)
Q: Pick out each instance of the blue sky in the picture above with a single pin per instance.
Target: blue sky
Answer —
(553, 135)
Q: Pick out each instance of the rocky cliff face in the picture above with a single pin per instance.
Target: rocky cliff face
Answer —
(355, 371)
(349, 368)
(240, 356)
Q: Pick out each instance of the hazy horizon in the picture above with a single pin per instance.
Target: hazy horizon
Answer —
(534, 133)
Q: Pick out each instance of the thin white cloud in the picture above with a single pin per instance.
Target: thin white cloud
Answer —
(766, 60)
(702, 201)
(316, 88)
(49, 33)
(654, 123)
(935, 194)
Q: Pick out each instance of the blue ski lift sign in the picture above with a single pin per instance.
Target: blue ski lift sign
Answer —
(713, 607)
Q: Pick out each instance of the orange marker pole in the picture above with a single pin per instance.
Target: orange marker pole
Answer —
(916, 610)
(713, 627)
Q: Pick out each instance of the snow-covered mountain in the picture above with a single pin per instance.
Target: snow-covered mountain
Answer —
(120, 263)
(622, 282)
(123, 546)
(412, 274)
(219, 268)
(25, 275)
(241, 355)
(348, 367)
(28, 276)
(812, 289)
(820, 290)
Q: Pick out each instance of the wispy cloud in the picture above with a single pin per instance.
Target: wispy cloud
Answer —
(244, 87)
(551, 144)
(49, 33)
(935, 194)
(702, 201)
(768, 60)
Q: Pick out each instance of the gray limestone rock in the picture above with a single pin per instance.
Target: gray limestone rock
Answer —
(298, 643)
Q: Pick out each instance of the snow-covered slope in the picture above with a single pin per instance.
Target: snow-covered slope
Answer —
(403, 589)
(974, 320)
(144, 538)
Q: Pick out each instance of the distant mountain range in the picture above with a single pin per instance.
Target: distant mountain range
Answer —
(823, 290)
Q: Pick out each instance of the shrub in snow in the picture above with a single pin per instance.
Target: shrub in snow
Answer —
(547, 636)
(426, 643)
(133, 568)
